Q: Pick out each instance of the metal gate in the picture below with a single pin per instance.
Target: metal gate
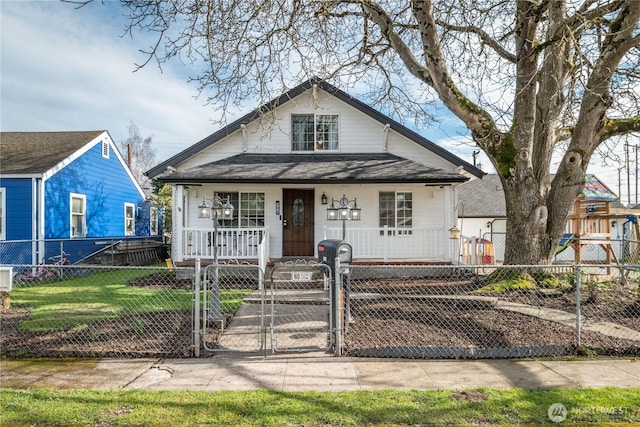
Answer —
(299, 308)
(231, 315)
(237, 312)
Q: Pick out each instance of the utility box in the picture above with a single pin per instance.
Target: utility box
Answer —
(329, 250)
(6, 279)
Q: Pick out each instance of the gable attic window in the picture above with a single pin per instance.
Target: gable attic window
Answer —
(314, 132)
(105, 149)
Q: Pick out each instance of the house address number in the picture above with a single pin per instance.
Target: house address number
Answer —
(301, 276)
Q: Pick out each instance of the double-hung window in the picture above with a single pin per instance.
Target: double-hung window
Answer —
(315, 132)
(129, 219)
(396, 211)
(249, 209)
(78, 215)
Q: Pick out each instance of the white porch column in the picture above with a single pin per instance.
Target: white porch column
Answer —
(449, 221)
(177, 230)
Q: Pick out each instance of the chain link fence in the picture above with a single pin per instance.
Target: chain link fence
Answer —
(97, 311)
(515, 311)
(436, 311)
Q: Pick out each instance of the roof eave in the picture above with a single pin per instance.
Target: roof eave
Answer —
(426, 182)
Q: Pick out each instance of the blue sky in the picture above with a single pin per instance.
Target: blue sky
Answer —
(63, 68)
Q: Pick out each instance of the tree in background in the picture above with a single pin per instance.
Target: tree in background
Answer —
(164, 200)
(530, 79)
(140, 155)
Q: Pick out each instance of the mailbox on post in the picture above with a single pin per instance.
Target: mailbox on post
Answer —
(329, 250)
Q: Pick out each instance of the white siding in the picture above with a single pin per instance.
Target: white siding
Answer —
(358, 134)
(432, 206)
(428, 207)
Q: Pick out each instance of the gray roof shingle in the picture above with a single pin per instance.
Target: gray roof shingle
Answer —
(314, 168)
(482, 198)
(37, 152)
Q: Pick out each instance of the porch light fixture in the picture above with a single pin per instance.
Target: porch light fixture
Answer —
(219, 209)
(344, 210)
(323, 198)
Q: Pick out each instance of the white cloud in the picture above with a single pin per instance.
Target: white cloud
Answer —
(68, 69)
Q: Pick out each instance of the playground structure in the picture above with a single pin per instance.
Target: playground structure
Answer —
(591, 222)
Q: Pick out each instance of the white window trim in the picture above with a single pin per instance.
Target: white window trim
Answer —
(315, 136)
(3, 213)
(399, 230)
(83, 197)
(133, 218)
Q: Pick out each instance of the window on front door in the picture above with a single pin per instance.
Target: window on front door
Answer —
(129, 219)
(396, 211)
(78, 215)
(314, 132)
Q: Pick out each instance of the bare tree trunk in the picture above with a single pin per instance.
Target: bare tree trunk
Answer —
(533, 235)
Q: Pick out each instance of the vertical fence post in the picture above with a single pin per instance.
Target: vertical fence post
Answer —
(337, 304)
(578, 285)
(196, 310)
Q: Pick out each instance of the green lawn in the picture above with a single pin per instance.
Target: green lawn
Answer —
(261, 407)
(102, 295)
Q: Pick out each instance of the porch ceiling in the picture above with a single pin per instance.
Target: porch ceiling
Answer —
(314, 168)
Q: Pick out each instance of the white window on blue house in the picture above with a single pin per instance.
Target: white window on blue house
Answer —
(78, 215)
(3, 221)
(129, 219)
(315, 132)
(105, 149)
(396, 211)
(153, 221)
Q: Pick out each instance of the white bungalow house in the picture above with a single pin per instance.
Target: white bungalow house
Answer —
(282, 166)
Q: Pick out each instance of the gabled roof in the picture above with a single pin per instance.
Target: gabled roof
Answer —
(28, 153)
(313, 168)
(38, 154)
(482, 198)
(596, 190)
(298, 90)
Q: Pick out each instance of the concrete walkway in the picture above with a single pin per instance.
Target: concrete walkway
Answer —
(315, 371)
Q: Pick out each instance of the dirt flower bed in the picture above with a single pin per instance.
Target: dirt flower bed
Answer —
(454, 318)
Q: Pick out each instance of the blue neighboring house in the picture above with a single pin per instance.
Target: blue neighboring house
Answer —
(69, 187)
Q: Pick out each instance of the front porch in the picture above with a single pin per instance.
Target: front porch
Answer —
(371, 244)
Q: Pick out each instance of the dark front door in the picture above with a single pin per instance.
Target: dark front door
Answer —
(298, 222)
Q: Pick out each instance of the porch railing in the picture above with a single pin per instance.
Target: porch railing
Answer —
(232, 243)
(394, 243)
(368, 243)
